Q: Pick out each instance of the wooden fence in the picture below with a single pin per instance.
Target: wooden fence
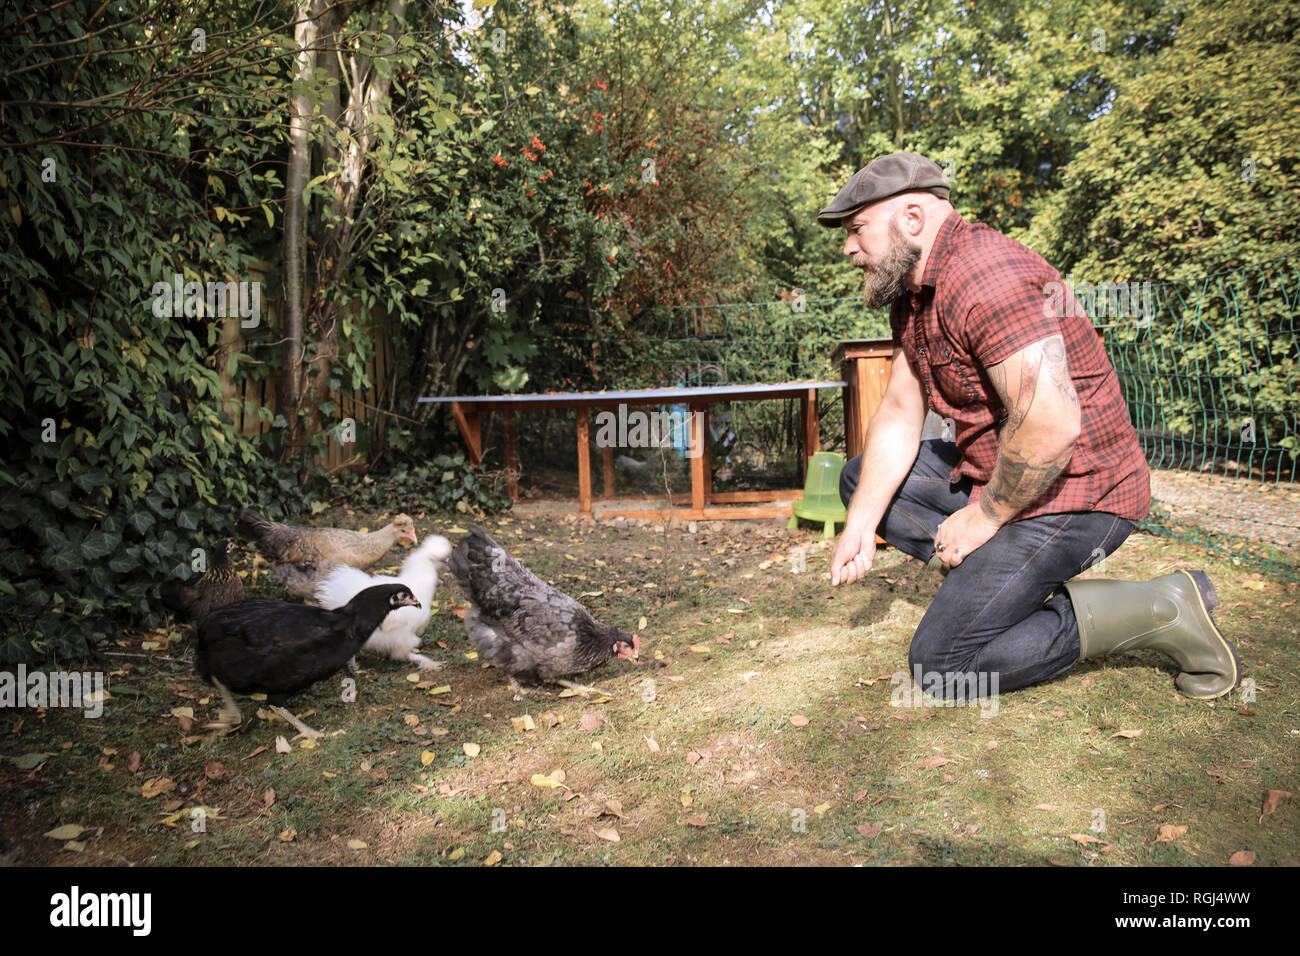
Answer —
(245, 397)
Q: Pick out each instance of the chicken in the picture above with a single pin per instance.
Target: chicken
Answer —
(304, 555)
(217, 586)
(399, 635)
(524, 626)
(279, 649)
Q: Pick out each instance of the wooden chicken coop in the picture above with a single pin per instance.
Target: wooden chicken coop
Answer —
(864, 364)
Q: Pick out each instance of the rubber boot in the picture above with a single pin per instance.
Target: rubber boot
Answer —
(1169, 614)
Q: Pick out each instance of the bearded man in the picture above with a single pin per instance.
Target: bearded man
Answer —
(1045, 478)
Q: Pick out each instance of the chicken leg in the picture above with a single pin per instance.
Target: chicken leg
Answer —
(583, 688)
(298, 724)
(229, 716)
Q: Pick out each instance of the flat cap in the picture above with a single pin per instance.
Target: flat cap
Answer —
(887, 176)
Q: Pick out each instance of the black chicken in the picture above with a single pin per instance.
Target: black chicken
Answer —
(524, 626)
(279, 648)
(218, 586)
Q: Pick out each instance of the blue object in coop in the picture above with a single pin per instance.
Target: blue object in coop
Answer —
(821, 494)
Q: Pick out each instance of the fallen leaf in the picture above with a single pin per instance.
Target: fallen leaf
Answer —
(550, 781)
(215, 771)
(1272, 798)
(438, 691)
(1084, 839)
(133, 761)
(869, 830)
(525, 722)
(932, 762)
(608, 833)
(687, 800)
(590, 722)
(427, 758)
(654, 747)
(282, 746)
(859, 796)
(411, 720)
(268, 798)
(307, 744)
(156, 786)
(183, 712)
(1242, 858)
(1170, 832)
(69, 831)
(799, 720)
(700, 649)
(701, 821)
(471, 750)
(1045, 806)
(1127, 733)
(357, 844)
(821, 808)
(493, 858)
(456, 854)
(287, 834)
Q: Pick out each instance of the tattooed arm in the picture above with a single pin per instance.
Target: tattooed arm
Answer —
(1042, 426)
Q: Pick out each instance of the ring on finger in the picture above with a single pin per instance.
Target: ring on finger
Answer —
(939, 548)
(957, 554)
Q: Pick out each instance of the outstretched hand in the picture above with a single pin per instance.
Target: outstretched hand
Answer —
(852, 557)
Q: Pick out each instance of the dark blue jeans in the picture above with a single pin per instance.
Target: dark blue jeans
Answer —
(1002, 610)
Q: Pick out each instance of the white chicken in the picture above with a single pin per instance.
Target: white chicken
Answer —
(399, 634)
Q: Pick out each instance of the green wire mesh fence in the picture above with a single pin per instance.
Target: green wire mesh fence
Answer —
(1210, 370)
(1211, 373)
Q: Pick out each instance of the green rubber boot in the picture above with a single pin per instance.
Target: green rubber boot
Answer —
(1169, 614)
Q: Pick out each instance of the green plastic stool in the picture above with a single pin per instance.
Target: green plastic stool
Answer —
(821, 494)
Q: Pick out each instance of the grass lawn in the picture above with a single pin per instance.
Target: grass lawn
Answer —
(757, 728)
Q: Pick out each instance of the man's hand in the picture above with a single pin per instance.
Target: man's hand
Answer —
(853, 554)
(960, 534)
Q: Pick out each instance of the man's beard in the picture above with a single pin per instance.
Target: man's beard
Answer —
(882, 282)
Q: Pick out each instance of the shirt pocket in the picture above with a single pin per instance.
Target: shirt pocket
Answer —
(954, 378)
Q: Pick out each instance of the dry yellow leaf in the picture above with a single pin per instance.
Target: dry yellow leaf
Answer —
(687, 800)
(608, 833)
(699, 648)
(426, 758)
(357, 844)
(525, 722)
(1242, 858)
(287, 834)
(799, 720)
(307, 744)
(471, 750)
(411, 720)
(641, 623)
(156, 786)
(493, 858)
(456, 854)
(1170, 832)
(821, 808)
(69, 831)
(183, 712)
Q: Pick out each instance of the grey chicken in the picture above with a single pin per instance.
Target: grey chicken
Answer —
(525, 627)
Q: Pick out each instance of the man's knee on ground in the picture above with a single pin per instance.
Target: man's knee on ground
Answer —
(849, 476)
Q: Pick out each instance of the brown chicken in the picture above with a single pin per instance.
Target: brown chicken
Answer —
(305, 555)
(218, 586)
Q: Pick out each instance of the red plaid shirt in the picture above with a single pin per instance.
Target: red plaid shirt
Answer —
(983, 298)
